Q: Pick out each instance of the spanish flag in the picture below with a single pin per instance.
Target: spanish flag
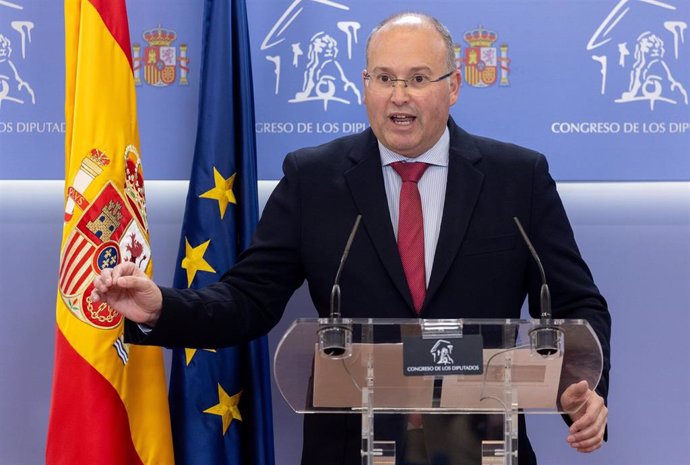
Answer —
(109, 403)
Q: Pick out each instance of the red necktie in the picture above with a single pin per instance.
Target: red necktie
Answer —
(411, 230)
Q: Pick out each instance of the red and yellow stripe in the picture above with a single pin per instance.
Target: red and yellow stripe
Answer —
(103, 411)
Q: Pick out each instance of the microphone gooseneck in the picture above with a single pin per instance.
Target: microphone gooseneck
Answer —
(545, 338)
(335, 337)
(335, 291)
(545, 295)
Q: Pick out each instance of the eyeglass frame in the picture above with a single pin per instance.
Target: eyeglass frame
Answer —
(368, 76)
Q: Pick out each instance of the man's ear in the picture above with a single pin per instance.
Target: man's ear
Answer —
(364, 86)
(455, 80)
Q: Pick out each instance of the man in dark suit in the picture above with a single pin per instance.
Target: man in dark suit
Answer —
(472, 264)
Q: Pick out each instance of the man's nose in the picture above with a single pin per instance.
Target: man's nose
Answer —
(400, 94)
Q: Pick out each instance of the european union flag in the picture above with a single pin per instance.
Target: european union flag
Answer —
(220, 401)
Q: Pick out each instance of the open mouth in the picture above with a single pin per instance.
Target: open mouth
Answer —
(402, 120)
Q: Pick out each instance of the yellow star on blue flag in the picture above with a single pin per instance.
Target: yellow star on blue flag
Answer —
(222, 191)
(194, 261)
(227, 408)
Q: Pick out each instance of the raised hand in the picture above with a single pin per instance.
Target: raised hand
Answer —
(130, 292)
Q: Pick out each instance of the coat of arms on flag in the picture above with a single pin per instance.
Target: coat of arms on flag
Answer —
(111, 229)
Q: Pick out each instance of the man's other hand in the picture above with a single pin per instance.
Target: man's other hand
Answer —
(589, 414)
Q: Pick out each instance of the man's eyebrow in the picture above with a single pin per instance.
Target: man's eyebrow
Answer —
(413, 70)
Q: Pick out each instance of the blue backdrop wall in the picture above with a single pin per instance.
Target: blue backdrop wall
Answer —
(601, 87)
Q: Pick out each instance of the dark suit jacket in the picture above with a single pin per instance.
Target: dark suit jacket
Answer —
(482, 269)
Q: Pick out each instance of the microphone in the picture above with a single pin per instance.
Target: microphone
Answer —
(335, 337)
(545, 338)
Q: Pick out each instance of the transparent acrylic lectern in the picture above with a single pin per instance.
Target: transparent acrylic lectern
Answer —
(429, 371)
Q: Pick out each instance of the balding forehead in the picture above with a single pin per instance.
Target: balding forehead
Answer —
(413, 20)
(407, 19)
(409, 22)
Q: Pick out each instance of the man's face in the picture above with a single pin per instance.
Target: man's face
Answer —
(407, 121)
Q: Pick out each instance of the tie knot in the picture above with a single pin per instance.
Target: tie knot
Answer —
(411, 172)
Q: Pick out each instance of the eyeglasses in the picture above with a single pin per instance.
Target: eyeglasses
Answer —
(384, 81)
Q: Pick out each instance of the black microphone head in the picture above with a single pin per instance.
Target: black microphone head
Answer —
(546, 341)
(335, 339)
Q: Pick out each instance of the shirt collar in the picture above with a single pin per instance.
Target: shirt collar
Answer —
(436, 155)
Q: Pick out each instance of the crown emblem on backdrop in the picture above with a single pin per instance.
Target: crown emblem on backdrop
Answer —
(480, 37)
(481, 63)
(159, 37)
(157, 64)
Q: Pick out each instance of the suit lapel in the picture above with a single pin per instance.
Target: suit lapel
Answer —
(462, 191)
(365, 181)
